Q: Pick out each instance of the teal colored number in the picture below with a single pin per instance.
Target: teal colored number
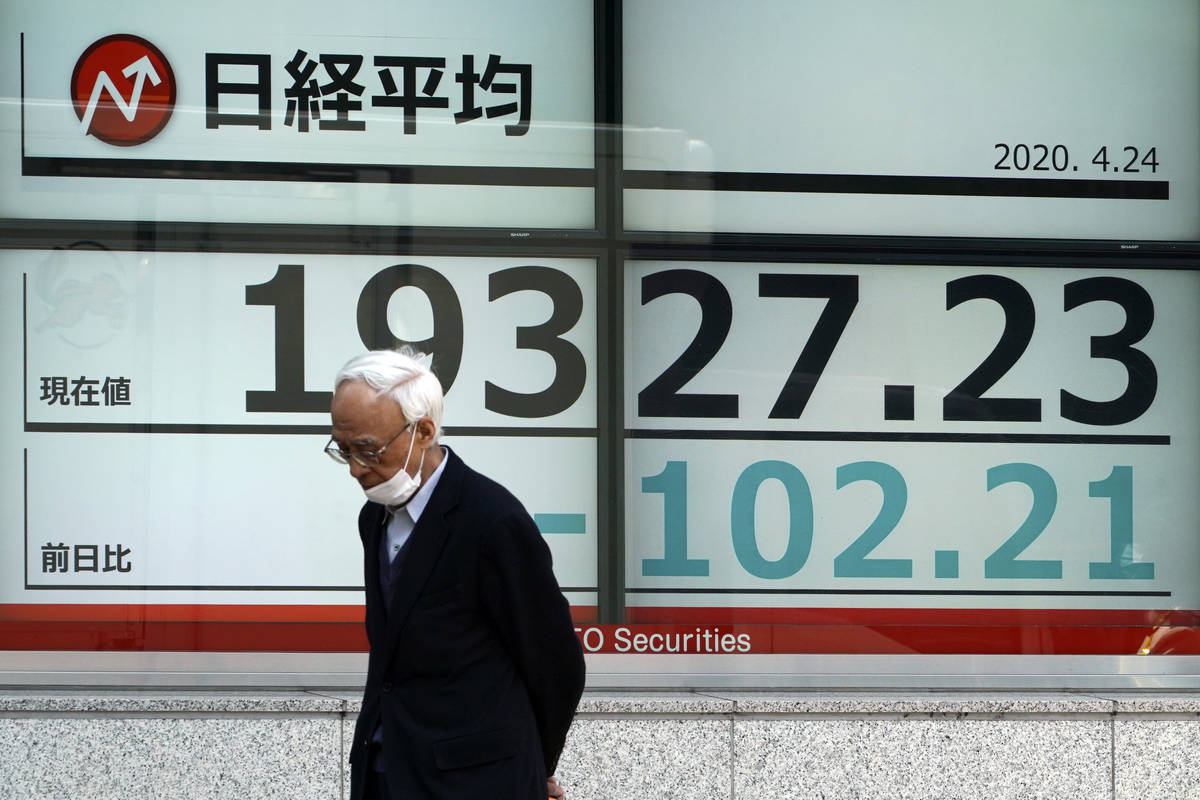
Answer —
(1004, 563)
(671, 483)
(1118, 488)
(853, 561)
(800, 519)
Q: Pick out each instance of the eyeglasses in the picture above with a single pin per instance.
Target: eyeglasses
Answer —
(364, 458)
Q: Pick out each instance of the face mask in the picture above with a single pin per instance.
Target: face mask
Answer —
(398, 489)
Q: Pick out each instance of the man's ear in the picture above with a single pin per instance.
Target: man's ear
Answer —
(426, 432)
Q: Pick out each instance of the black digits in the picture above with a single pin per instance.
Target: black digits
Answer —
(966, 402)
(285, 291)
(445, 344)
(661, 397)
(570, 368)
(1142, 375)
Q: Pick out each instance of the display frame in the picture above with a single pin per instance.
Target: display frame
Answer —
(611, 245)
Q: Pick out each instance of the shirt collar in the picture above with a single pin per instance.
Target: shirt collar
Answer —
(416, 506)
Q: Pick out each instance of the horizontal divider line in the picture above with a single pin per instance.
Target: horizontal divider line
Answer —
(55, 166)
(168, 427)
(173, 588)
(76, 587)
(1100, 188)
(928, 592)
(897, 436)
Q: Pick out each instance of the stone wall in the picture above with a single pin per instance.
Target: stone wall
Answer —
(99, 743)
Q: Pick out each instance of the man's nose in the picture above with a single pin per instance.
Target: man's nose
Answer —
(357, 470)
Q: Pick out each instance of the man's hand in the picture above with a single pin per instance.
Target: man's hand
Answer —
(555, 789)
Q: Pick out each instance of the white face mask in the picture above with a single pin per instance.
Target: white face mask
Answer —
(398, 489)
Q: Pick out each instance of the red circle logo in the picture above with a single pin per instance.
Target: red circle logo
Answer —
(123, 90)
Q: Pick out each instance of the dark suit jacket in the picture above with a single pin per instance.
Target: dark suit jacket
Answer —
(475, 672)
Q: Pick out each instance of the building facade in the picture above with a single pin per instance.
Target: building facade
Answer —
(844, 354)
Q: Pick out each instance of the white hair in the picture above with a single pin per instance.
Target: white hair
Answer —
(400, 375)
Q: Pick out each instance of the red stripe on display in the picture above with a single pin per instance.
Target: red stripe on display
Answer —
(244, 628)
(192, 628)
(287, 637)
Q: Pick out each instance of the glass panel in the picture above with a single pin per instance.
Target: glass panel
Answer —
(453, 114)
(177, 403)
(869, 458)
(1035, 119)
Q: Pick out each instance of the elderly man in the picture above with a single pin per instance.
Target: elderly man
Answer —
(475, 670)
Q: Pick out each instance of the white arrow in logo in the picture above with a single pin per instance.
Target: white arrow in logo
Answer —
(143, 69)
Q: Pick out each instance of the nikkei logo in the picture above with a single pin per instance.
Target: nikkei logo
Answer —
(123, 90)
